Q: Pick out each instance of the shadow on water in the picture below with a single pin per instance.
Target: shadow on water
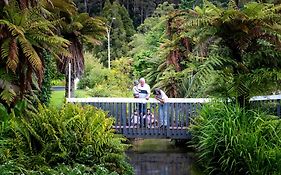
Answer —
(161, 157)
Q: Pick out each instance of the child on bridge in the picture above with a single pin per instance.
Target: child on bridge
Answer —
(148, 119)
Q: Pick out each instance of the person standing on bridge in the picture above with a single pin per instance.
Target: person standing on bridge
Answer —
(144, 92)
(136, 91)
(163, 106)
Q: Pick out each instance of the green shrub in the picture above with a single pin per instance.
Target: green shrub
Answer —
(94, 72)
(230, 140)
(69, 136)
(58, 82)
(11, 167)
(104, 82)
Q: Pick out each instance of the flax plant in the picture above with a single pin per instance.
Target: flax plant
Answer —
(230, 140)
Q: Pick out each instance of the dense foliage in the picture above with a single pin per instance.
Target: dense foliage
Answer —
(66, 140)
(230, 140)
(156, 57)
(242, 47)
(210, 51)
(120, 29)
(102, 82)
(139, 10)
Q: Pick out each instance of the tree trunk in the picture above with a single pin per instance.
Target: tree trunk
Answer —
(77, 64)
(141, 12)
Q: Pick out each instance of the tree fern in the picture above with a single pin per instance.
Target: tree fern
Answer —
(79, 29)
(244, 33)
(26, 32)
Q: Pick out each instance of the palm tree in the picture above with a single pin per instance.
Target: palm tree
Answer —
(247, 44)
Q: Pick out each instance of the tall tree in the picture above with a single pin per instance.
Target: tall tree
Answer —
(138, 10)
(121, 29)
(242, 43)
(27, 28)
(161, 59)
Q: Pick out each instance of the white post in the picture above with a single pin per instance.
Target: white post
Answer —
(69, 79)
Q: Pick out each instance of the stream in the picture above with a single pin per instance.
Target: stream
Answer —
(161, 157)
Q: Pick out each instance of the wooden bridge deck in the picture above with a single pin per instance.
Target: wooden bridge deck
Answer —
(154, 132)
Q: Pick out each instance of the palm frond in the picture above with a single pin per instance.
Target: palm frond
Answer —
(66, 6)
(8, 91)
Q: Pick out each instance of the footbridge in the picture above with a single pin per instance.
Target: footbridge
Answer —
(132, 121)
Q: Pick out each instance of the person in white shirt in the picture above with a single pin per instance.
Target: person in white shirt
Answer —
(144, 89)
(163, 107)
(144, 92)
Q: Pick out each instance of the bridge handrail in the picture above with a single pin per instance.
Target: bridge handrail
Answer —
(136, 100)
(152, 100)
(266, 97)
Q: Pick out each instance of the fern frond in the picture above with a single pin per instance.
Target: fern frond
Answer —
(5, 48)
(13, 59)
(31, 54)
(202, 74)
(90, 39)
(15, 30)
(8, 95)
(65, 6)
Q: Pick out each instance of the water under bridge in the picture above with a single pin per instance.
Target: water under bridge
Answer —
(179, 113)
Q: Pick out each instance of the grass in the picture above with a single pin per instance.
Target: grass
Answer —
(82, 93)
(57, 97)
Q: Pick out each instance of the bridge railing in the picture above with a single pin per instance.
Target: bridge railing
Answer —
(178, 112)
(270, 104)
